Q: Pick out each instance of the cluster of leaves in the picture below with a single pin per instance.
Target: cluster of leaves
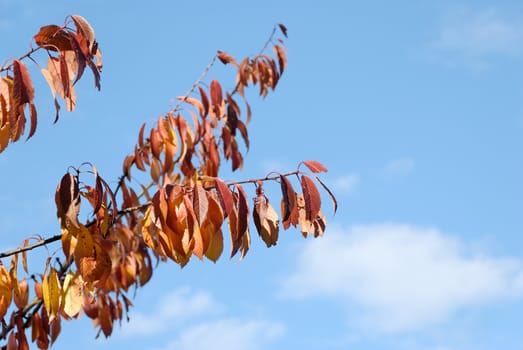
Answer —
(69, 52)
(180, 213)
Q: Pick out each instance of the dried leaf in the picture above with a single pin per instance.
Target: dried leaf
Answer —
(51, 293)
(216, 93)
(331, 195)
(215, 249)
(5, 291)
(283, 29)
(225, 58)
(23, 91)
(314, 166)
(73, 295)
(225, 195)
(83, 27)
(4, 136)
(54, 38)
(288, 199)
(266, 222)
(67, 200)
(312, 198)
(243, 211)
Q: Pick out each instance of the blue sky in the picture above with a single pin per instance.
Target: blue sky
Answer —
(415, 108)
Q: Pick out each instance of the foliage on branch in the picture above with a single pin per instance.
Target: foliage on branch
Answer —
(183, 210)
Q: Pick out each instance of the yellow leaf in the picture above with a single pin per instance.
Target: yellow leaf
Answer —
(52, 293)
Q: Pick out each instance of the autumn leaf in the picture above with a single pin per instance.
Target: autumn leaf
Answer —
(266, 222)
(51, 293)
(67, 199)
(5, 291)
(314, 166)
(311, 197)
(225, 58)
(73, 295)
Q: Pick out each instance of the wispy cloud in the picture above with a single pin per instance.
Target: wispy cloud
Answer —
(182, 303)
(195, 320)
(398, 167)
(472, 37)
(346, 183)
(227, 334)
(401, 277)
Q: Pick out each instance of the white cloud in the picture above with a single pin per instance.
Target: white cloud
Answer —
(398, 167)
(346, 183)
(180, 304)
(469, 37)
(228, 334)
(400, 277)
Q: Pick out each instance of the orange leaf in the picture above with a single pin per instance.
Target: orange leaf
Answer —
(5, 291)
(215, 248)
(200, 203)
(314, 166)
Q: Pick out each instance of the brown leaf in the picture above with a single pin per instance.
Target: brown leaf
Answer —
(243, 131)
(83, 27)
(288, 199)
(54, 38)
(33, 114)
(315, 166)
(266, 222)
(216, 93)
(225, 195)
(200, 203)
(204, 99)
(23, 91)
(225, 58)
(243, 211)
(312, 198)
(282, 57)
(332, 197)
(283, 29)
(67, 200)
(156, 144)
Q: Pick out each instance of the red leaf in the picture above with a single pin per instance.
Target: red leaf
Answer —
(216, 93)
(243, 212)
(288, 198)
(314, 166)
(200, 203)
(312, 198)
(205, 100)
(225, 195)
(23, 91)
(225, 58)
(33, 114)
